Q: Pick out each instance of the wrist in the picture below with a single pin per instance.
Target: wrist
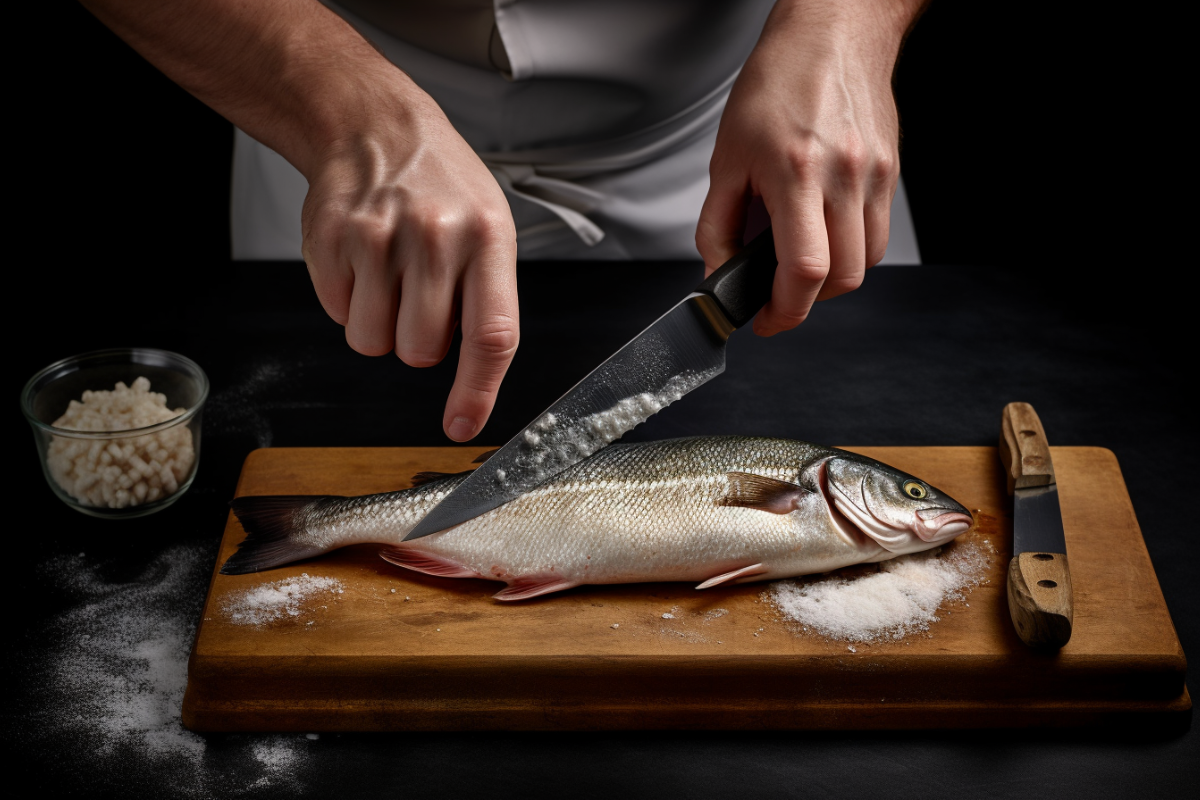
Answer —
(334, 92)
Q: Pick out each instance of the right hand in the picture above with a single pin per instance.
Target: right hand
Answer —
(404, 230)
(404, 227)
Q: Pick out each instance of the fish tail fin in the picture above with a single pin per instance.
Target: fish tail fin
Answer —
(274, 532)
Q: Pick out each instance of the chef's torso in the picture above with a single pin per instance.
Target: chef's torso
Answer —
(597, 117)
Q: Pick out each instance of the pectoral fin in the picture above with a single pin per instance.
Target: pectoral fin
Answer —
(751, 571)
(762, 493)
(428, 563)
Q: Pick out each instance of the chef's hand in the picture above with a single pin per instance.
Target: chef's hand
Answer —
(811, 128)
(405, 229)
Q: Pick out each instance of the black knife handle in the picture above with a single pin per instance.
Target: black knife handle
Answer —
(742, 285)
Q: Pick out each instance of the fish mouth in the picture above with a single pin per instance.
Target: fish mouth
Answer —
(936, 525)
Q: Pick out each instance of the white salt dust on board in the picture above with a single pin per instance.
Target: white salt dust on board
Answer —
(902, 598)
(277, 600)
(112, 680)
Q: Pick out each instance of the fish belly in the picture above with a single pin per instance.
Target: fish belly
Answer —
(626, 532)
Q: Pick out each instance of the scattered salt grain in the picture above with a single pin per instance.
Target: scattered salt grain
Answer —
(116, 691)
(617, 625)
(716, 613)
(668, 616)
(394, 591)
(902, 598)
(273, 601)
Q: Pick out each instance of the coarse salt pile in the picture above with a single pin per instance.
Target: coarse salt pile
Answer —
(268, 602)
(902, 598)
(117, 473)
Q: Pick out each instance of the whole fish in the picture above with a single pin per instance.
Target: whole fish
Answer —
(716, 510)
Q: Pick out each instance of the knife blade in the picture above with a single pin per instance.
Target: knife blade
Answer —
(1040, 598)
(682, 350)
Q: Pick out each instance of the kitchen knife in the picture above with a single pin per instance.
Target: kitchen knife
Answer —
(681, 350)
(1039, 580)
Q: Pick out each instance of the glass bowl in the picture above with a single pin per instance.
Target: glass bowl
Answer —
(118, 473)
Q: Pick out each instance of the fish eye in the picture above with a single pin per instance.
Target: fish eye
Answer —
(915, 490)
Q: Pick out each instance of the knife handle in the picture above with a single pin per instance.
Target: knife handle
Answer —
(742, 285)
(1024, 449)
(1040, 599)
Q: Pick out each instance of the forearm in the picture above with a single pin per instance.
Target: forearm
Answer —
(290, 73)
(874, 29)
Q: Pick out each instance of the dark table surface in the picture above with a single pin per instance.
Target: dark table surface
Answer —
(918, 356)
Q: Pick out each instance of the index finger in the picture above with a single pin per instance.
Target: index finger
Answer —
(802, 246)
(491, 332)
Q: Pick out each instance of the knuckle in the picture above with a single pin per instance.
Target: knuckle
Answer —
(436, 228)
(492, 225)
(366, 344)
(374, 232)
(842, 285)
(851, 160)
(803, 157)
(437, 222)
(336, 302)
(806, 269)
(420, 353)
(886, 168)
(495, 337)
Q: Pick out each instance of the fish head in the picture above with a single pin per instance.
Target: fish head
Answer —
(903, 514)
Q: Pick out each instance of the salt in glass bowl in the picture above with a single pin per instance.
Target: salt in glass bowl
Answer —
(47, 395)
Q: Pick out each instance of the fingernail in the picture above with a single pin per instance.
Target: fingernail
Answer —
(461, 429)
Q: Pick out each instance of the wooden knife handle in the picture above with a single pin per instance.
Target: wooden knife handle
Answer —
(1039, 599)
(1024, 449)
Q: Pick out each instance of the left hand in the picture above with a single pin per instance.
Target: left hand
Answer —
(811, 128)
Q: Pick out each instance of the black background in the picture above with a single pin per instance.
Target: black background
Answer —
(1035, 184)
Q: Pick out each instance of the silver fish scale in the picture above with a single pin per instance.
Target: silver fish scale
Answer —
(373, 517)
(632, 512)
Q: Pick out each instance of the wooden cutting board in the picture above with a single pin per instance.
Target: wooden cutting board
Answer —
(396, 650)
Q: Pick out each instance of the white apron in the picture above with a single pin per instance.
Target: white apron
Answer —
(600, 133)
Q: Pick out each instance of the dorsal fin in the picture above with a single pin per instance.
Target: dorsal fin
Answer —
(482, 457)
(422, 478)
(765, 494)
